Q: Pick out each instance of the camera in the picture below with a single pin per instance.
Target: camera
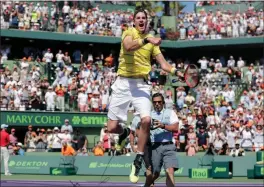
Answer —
(153, 124)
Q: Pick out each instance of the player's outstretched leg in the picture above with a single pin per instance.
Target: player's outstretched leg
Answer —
(144, 134)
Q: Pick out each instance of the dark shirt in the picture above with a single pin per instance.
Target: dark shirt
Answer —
(182, 137)
(201, 123)
(202, 138)
(80, 141)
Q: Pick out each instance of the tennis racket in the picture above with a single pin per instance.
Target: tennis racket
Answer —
(190, 76)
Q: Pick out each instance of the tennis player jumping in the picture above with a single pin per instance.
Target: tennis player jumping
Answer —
(137, 49)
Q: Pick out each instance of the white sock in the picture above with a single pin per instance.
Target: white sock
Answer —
(140, 153)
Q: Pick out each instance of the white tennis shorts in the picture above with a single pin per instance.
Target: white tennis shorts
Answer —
(126, 91)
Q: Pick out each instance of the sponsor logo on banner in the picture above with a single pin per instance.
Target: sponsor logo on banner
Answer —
(110, 165)
(262, 171)
(219, 170)
(200, 173)
(56, 171)
(52, 119)
(178, 172)
(27, 164)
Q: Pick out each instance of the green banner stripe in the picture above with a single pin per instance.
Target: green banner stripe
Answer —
(14, 118)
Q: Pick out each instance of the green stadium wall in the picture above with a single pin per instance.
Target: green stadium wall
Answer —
(116, 166)
(84, 38)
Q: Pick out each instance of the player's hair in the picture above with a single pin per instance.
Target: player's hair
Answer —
(158, 95)
(140, 10)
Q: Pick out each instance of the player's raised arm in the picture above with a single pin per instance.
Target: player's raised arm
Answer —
(166, 66)
(132, 45)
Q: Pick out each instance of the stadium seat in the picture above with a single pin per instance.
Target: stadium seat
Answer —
(67, 161)
(206, 161)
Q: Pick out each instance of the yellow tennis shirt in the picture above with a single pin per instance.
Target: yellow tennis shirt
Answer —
(136, 64)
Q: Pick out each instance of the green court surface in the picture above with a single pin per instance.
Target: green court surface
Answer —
(120, 178)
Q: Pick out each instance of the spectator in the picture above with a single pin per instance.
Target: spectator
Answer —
(4, 142)
(29, 140)
(48, 57)
(66, 9)
(240, 63)
(182, 140)
(224, 150)
(107, 141)
(41, 141)
(180, 97)
(162, 32)
(247, 137)
(80, 141)
(219, 140)
(168, 102)
(258, 138)
(50, 137)
(94, 102)
(50, 98)
(105, 100)
(203, 63)
(83, 100)
(20, 150)
(67, 149)
(237, 151)
(13, 139)
(189, 99)
(191, 148)
(203, 139)
(56, 140)
(231, 62)
(201, 122)
(98, 150)
(67, 126)
(65, 136)
(60, 91)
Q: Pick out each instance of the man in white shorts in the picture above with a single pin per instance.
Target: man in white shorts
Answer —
(137, 49)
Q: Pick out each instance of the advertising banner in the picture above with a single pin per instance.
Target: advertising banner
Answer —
(15, 118)
(120, 165)
(31, 164)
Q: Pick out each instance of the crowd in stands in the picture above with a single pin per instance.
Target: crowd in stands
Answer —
(220, 24)
(49, 140)
(212, 3)
(192, 26)
(35, 16)
(209, 116)
(212, 116)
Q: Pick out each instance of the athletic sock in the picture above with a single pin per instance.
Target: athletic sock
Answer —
(140, 153)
